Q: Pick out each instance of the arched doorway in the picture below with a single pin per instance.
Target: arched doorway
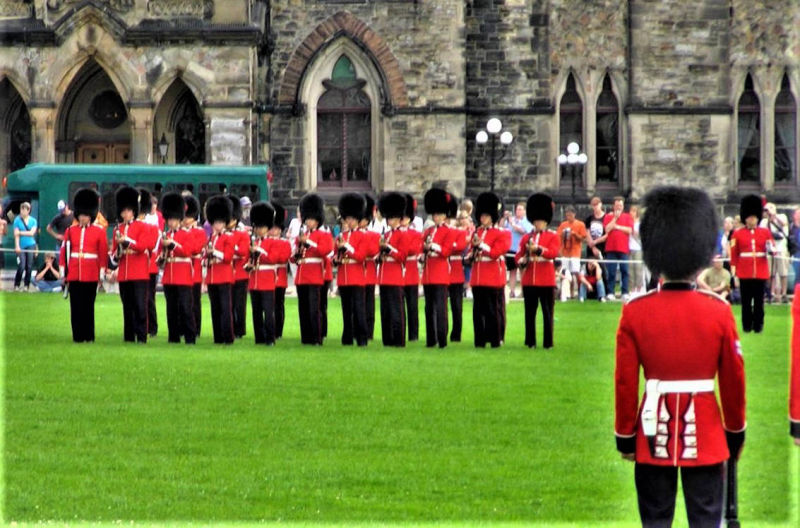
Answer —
(179, 122)
(15, 129)
(93, 124)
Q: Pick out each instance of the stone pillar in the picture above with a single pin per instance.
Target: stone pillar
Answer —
(228, 136)
(43, 143)
(141, 118)
(768, 142)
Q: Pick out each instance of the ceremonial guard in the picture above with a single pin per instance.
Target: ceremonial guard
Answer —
(678, 427)
(536, 255)
(372, 241)
(241, 252)
(488, 280)
(178, 246)
(83, 259)
(266, 255)
(351, 246)
(413, 241)
(459, 240)
(326, 287)
(312, 247)
(145, 199)
(749, 247)
(436, 249)
(218, 261)
(391, 269)
(282, 281)
(133, 241)
(191, 214)
(794, 384)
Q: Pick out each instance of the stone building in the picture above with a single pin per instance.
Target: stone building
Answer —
(385, 94)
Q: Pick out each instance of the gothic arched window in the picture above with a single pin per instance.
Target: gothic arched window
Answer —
(607, 147)
(344, 129)
(785, 134)
(570, 120)
(749, 135)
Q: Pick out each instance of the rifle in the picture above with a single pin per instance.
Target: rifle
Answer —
(731, 495)
(67, 253)
(252, 264)
(209, 253)
(301, 246)
(165, 249)
(476, 248)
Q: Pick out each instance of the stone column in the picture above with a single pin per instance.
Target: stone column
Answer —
(768, 142)
(43, 143)
(228, 135)
(141, 117)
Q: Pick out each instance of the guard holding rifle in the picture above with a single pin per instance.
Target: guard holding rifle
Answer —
(282, 280)
(218, 259)
(178, 245)
(372, 241)
(145, 201)
(83, 259)
(191, 214)
(459, 240)
(391, 268)
(241, 252)
(683, 339)
(413, 241)
(312, 247)
(351, 246)
(436, 250)
(536, 255)
(133, 242)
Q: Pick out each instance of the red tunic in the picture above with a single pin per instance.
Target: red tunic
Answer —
(178, 267)
(200, 240)
(539, 270)
(749, 252)
(88, 253)
(285, 249)
(392, 267)
(436, 269)
(794, 386)
(134, 263)
(354, 252)
(274, 254)
(221, 248)
(372, 247)
(241, 252)
(489, 267)
(413, 242)
(459, 240)
(677, 334)
(156, 234)
(311, 267)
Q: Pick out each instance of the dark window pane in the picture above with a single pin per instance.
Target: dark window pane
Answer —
(607, 154)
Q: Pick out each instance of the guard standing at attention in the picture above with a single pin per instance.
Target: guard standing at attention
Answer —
(391, 268)
(241, 252)
(191, 214)
(218, 260)
(372, 240)
(436, 249)
(413, 241)
(350, 248)
(459, 240)
(282, 280)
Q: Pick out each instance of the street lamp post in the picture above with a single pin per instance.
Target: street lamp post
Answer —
(493, 128)
(163, 147)
(574, 157)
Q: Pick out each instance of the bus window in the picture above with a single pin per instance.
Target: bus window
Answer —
(179, 187)
(246, 189)
(108, 200)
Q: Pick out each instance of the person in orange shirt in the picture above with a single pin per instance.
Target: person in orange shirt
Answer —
(571, 233)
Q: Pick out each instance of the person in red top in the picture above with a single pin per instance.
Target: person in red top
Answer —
(436, 249)
(536, 255)
(488, 278)
(794, 377)
(241, 252)
(372, 241)
(392, 268)
(749, 247)
(218, 261)
(191, 214)
(83, 258)
(282, 280)
(351, 254)
(413, 240)
(459, 240)
(312, 247)
(618, 226)
(178, 245)
(682, 339)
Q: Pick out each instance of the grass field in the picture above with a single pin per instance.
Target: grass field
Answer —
(415, 437)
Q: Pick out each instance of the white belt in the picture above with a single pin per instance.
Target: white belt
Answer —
(179, 260)
(487, 259)
(454, 258)
(83, 255)
(415, 257)
(655, 388)
(391, 259)
(267, 267)
(752, 254)
(310, 260)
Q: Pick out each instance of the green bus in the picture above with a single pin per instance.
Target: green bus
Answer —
(44, 184)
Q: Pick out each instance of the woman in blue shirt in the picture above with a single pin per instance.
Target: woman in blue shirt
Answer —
(24, 244)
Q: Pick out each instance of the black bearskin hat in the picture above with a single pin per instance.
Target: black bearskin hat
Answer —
(369, 210)
(411, 206)
(452, 207)
(280, 215)
(392, 205)
(679, 231)
(312, 206)
(751, 206)
(173, 206)
(488, 203)
(437, 201)
(352, 205)
(86, 202)
(539, 207)
(144, 201)
(236, 207)
(219, 209)
(127, 198)
(192, 207)
(262, 214)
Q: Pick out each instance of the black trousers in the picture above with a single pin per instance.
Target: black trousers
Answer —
(752, 304)
(435, 315)
(656, 487)
(411, 295)
(263, 304)
(486, 315)
(133, 295)
(180, 313)
(197, 305)
(369, 308)
(393, 322)
(354, 317)
(323, 303)
(533, 295)
(280, 313)
(219, 295)
(81, 310)
(456, 309)
(239, 296)
(152, 316)
(309, 310)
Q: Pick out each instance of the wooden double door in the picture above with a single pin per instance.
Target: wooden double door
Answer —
(103, 153)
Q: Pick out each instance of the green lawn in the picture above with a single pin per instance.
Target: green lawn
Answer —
(419, 437)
